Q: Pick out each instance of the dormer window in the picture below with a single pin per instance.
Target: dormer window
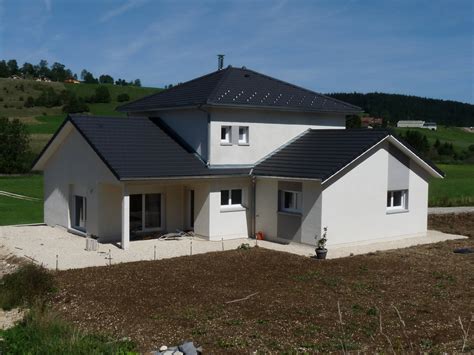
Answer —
(243, 135)
(226, 134)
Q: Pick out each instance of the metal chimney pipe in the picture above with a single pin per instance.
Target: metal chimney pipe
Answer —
(220, 61)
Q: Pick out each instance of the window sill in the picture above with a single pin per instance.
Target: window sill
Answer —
(226, 143)
(288, 213)
(232, 208)
(397, 210)
(244, 144)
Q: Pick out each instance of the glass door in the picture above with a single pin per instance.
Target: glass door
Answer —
(152, 211)
(145, 212)
(80, 212)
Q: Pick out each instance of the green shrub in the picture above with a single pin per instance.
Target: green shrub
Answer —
(41, 332)
(28, 285)
(30, 102)
(123, 97)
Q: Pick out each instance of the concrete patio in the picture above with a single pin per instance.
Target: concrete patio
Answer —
(47, 245)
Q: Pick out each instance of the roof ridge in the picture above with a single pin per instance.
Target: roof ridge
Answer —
(301, 88)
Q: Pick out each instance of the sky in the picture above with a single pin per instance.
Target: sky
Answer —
(413, 47)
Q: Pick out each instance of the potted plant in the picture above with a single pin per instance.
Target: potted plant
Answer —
(321, 250)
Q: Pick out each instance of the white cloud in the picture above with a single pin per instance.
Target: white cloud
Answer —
(117, 11)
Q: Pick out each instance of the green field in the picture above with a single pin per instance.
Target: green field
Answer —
(456, 189)
(460, 139)
(15, 211)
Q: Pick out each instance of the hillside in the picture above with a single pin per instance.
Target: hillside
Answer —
(395, 107)
(43, 121)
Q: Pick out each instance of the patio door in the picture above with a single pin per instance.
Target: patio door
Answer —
(145, 212)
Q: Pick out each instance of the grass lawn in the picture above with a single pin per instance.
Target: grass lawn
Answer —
(15, 211)
(456, 189)
(293, 303)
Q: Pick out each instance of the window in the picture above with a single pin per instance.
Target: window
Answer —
(80, 212)
(290, 201)
(226, 134)
(397, 200)
(145, 212)
(231, 198)
(243, 135)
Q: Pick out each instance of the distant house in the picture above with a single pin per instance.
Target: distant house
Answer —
(417, 124)
(228, 155)
(72, 81)
(371, 121)
(44, 79)
(430, 125)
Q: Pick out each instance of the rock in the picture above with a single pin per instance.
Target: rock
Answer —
(163, 348)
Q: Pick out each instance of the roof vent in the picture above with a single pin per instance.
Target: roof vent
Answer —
(220, 61)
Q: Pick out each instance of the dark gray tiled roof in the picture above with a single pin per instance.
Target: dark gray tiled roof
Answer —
(320, 153)
(240, 87)
(137, 147)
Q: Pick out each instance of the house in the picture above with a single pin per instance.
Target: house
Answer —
(371, 122)
(230, 154)
(72, 81)
(417, 124)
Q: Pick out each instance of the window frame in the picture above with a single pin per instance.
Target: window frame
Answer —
(246, 139)
(228, 135)
(298, 202)
(391, 198)
(230, 205)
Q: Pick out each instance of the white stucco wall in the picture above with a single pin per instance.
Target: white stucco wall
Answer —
(268, 130)
(354, 204)
(74, 169)
(267, 211)
(228, 224)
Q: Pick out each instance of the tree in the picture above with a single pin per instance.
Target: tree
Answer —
(48, 98)
(73, 104)
(28, 70)
(106, 79)
(14, 146)
(123, 97)
(102, 94)
(137, 82)
(88, 78)
(353, 121)
(13, 67)
(43, 69)
(59, 72)
(4, 70)
(121, 82)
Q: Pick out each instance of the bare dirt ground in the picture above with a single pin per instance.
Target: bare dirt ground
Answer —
(462, 223)
(294, 302)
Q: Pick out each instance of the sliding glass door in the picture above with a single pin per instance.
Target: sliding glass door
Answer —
(145, 212)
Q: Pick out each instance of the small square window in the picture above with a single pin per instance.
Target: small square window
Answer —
(236, 197)
(290, 201)
(397, 200)
(224, 197)
(243, 135)
(225, 134)
(231, 198)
